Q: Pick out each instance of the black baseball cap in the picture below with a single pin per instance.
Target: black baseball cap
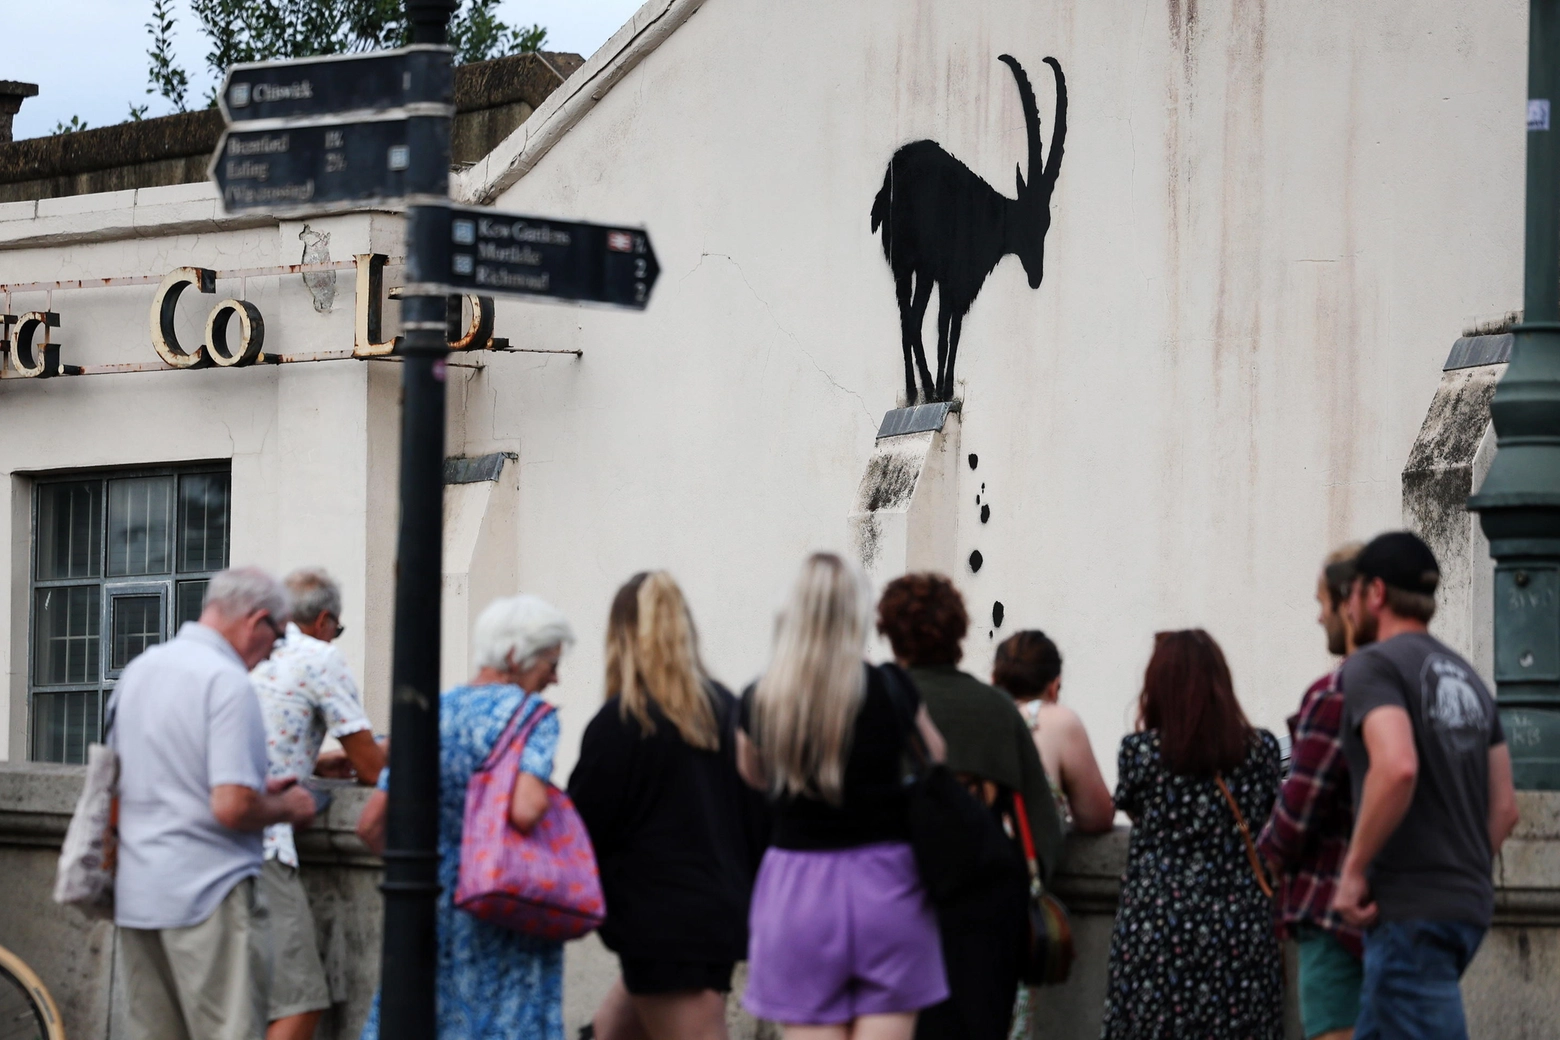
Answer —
(1402, 560)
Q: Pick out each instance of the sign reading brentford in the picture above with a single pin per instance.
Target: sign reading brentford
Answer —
(313, 167)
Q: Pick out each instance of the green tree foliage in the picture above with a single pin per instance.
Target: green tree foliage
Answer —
(268, 30)
(477, 34)
(76, 123)
(165, 76)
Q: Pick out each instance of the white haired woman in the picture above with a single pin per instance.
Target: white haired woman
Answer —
(844, 942)
(492, 982)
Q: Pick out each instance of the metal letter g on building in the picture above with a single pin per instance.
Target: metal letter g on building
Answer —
(38, 361)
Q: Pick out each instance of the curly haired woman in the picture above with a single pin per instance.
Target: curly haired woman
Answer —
(990, 748)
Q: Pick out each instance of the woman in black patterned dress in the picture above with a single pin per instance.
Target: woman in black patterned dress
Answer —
(1194, 955)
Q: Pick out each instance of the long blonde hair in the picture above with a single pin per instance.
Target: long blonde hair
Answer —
(653, 655)
(805, 706)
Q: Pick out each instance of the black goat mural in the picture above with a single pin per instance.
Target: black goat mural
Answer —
(944, 226)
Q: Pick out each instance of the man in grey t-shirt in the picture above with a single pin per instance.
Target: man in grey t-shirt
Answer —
(1433, 799)
(193, 799)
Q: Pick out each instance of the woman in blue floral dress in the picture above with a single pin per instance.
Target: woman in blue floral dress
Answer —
(1194, 954)
(493, 983)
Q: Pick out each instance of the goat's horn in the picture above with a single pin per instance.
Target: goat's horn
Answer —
(1053, 161)
(1026, 94)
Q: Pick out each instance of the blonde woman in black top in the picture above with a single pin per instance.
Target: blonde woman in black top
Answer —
(844, 943)
(676, 833)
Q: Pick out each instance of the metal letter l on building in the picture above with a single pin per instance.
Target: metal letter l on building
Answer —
(1519, 502)
(411, 886)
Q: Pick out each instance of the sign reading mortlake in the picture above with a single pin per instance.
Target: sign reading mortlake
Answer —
(509, 254)
(312, 167)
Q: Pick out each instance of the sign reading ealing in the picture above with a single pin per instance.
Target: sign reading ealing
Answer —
(321, 134)
(509, 254)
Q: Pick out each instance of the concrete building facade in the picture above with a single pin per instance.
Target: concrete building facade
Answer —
(1267, 228)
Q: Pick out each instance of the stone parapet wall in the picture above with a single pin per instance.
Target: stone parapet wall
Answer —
(1509, 990)
(492, 98)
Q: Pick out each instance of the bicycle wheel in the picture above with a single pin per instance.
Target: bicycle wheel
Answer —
(27, 1012)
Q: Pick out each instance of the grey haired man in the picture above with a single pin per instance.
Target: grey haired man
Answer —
(194, 933)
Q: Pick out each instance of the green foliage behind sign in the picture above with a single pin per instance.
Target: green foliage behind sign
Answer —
(269, 30)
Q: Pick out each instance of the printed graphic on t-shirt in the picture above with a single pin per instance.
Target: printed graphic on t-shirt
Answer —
(1452, 705)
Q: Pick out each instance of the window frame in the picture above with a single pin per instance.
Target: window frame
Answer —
(164, 585)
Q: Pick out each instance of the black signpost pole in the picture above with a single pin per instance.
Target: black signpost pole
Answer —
(344, 133)
(407, 978)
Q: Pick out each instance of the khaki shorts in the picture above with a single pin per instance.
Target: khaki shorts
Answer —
(297, 975)
(205, 982)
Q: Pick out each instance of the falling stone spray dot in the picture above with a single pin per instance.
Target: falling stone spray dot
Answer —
(996, 613)
(974, 460)
(976, 560)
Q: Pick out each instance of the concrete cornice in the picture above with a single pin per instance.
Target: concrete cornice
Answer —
(650, 26)
(175, 209)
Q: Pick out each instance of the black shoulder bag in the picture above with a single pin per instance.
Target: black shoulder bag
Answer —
(959, 846)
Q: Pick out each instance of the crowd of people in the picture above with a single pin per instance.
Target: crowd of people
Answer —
(788, 825)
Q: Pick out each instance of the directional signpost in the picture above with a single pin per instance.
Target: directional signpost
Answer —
(316, 167)
(324, 134)
(508, 254)
(373, 131)
(373, 82)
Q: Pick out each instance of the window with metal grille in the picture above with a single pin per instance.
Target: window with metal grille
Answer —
(120, 560)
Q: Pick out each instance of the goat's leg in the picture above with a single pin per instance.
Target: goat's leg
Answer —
(923, 296)
(943, 316)
(907, 333)
(945, 387)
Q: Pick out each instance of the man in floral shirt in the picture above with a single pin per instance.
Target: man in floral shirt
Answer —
(306, 692)
(1309, 832)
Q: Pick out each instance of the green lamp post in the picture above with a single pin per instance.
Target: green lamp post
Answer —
(1519, 502)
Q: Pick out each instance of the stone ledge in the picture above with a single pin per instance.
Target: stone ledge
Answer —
(37, 799)
(520, 77)
(102, 148)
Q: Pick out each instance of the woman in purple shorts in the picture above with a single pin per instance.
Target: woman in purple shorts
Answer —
(843, 941)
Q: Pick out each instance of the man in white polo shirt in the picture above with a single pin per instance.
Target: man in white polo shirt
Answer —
(193, 800)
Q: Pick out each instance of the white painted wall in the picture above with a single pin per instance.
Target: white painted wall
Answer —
(1271, 224)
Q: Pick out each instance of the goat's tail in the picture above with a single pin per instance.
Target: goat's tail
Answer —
(885, 199)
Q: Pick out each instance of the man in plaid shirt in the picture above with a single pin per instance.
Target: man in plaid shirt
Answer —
(1309, 831)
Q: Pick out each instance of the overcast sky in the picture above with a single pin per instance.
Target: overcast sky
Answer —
(88, 57)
